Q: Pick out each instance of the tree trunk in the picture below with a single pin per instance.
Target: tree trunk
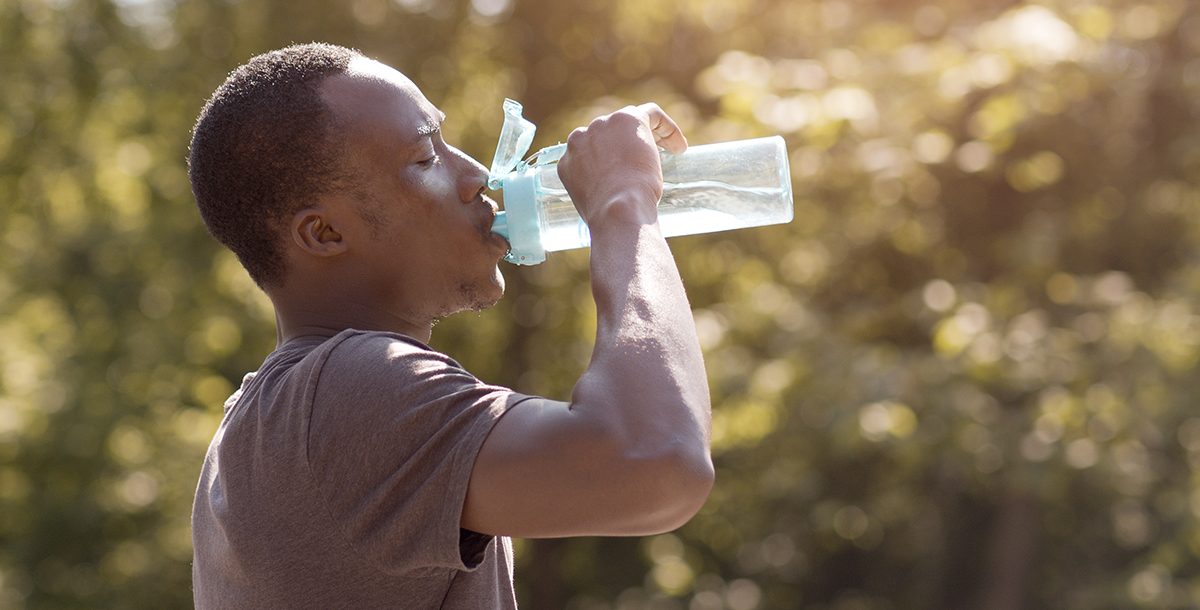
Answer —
(1011, 554)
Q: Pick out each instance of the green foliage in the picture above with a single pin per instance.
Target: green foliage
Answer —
(961, 378)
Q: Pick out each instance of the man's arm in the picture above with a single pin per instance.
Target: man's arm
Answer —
(629, 454)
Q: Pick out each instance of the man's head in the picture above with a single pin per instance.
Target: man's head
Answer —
(318, 166)
(262, 145)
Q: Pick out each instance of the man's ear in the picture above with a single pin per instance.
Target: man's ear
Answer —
(312, 229)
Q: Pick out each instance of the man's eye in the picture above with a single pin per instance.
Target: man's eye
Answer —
(428, 162)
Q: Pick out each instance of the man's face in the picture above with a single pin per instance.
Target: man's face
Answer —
(422, 240)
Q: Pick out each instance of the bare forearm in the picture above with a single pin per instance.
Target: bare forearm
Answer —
(647, 373)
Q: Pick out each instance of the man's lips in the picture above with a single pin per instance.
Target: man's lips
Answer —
(486, 227)
(489, 202)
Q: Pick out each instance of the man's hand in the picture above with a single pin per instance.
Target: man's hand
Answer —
(612, 167)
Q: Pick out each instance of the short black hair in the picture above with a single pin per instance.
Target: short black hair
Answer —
(261, 147)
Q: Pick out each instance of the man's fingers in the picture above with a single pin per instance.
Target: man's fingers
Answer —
(666, 132)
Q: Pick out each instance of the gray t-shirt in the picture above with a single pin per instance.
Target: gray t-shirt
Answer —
(337, 480)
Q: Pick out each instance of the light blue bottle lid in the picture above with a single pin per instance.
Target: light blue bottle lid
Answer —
(518, 222)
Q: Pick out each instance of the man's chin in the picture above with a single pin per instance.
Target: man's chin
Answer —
(481, 297)
(489, 302)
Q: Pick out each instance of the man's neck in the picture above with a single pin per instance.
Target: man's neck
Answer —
(298, 315)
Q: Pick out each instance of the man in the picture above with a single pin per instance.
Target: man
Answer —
(358, 467)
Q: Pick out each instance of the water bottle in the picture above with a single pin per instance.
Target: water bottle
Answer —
(712, 187)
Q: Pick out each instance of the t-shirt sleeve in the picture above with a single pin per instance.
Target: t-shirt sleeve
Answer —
(393, 435)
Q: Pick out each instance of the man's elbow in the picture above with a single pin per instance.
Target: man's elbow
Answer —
(695, 487)
(681, 483)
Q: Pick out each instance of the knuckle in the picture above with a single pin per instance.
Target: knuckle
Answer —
(626, 119)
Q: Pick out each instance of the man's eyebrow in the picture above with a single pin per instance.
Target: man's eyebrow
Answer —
(432, 127)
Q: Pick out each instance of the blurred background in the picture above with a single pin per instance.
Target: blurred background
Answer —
(963, 377)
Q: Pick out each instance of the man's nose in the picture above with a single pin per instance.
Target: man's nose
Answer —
(473, 174)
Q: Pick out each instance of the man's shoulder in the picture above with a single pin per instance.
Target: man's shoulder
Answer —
(376, 345)
(352, 356)
(369, 358)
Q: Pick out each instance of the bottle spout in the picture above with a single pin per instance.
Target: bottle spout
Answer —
(500, 225)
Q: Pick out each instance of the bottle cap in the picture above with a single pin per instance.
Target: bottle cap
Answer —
(518, 222)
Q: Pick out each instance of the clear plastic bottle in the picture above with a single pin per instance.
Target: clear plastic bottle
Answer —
(711, 187)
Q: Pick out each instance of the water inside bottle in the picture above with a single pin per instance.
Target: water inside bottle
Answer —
(699, 206)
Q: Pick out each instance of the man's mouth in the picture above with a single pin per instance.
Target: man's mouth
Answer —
(488, 236)
(495, 238)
